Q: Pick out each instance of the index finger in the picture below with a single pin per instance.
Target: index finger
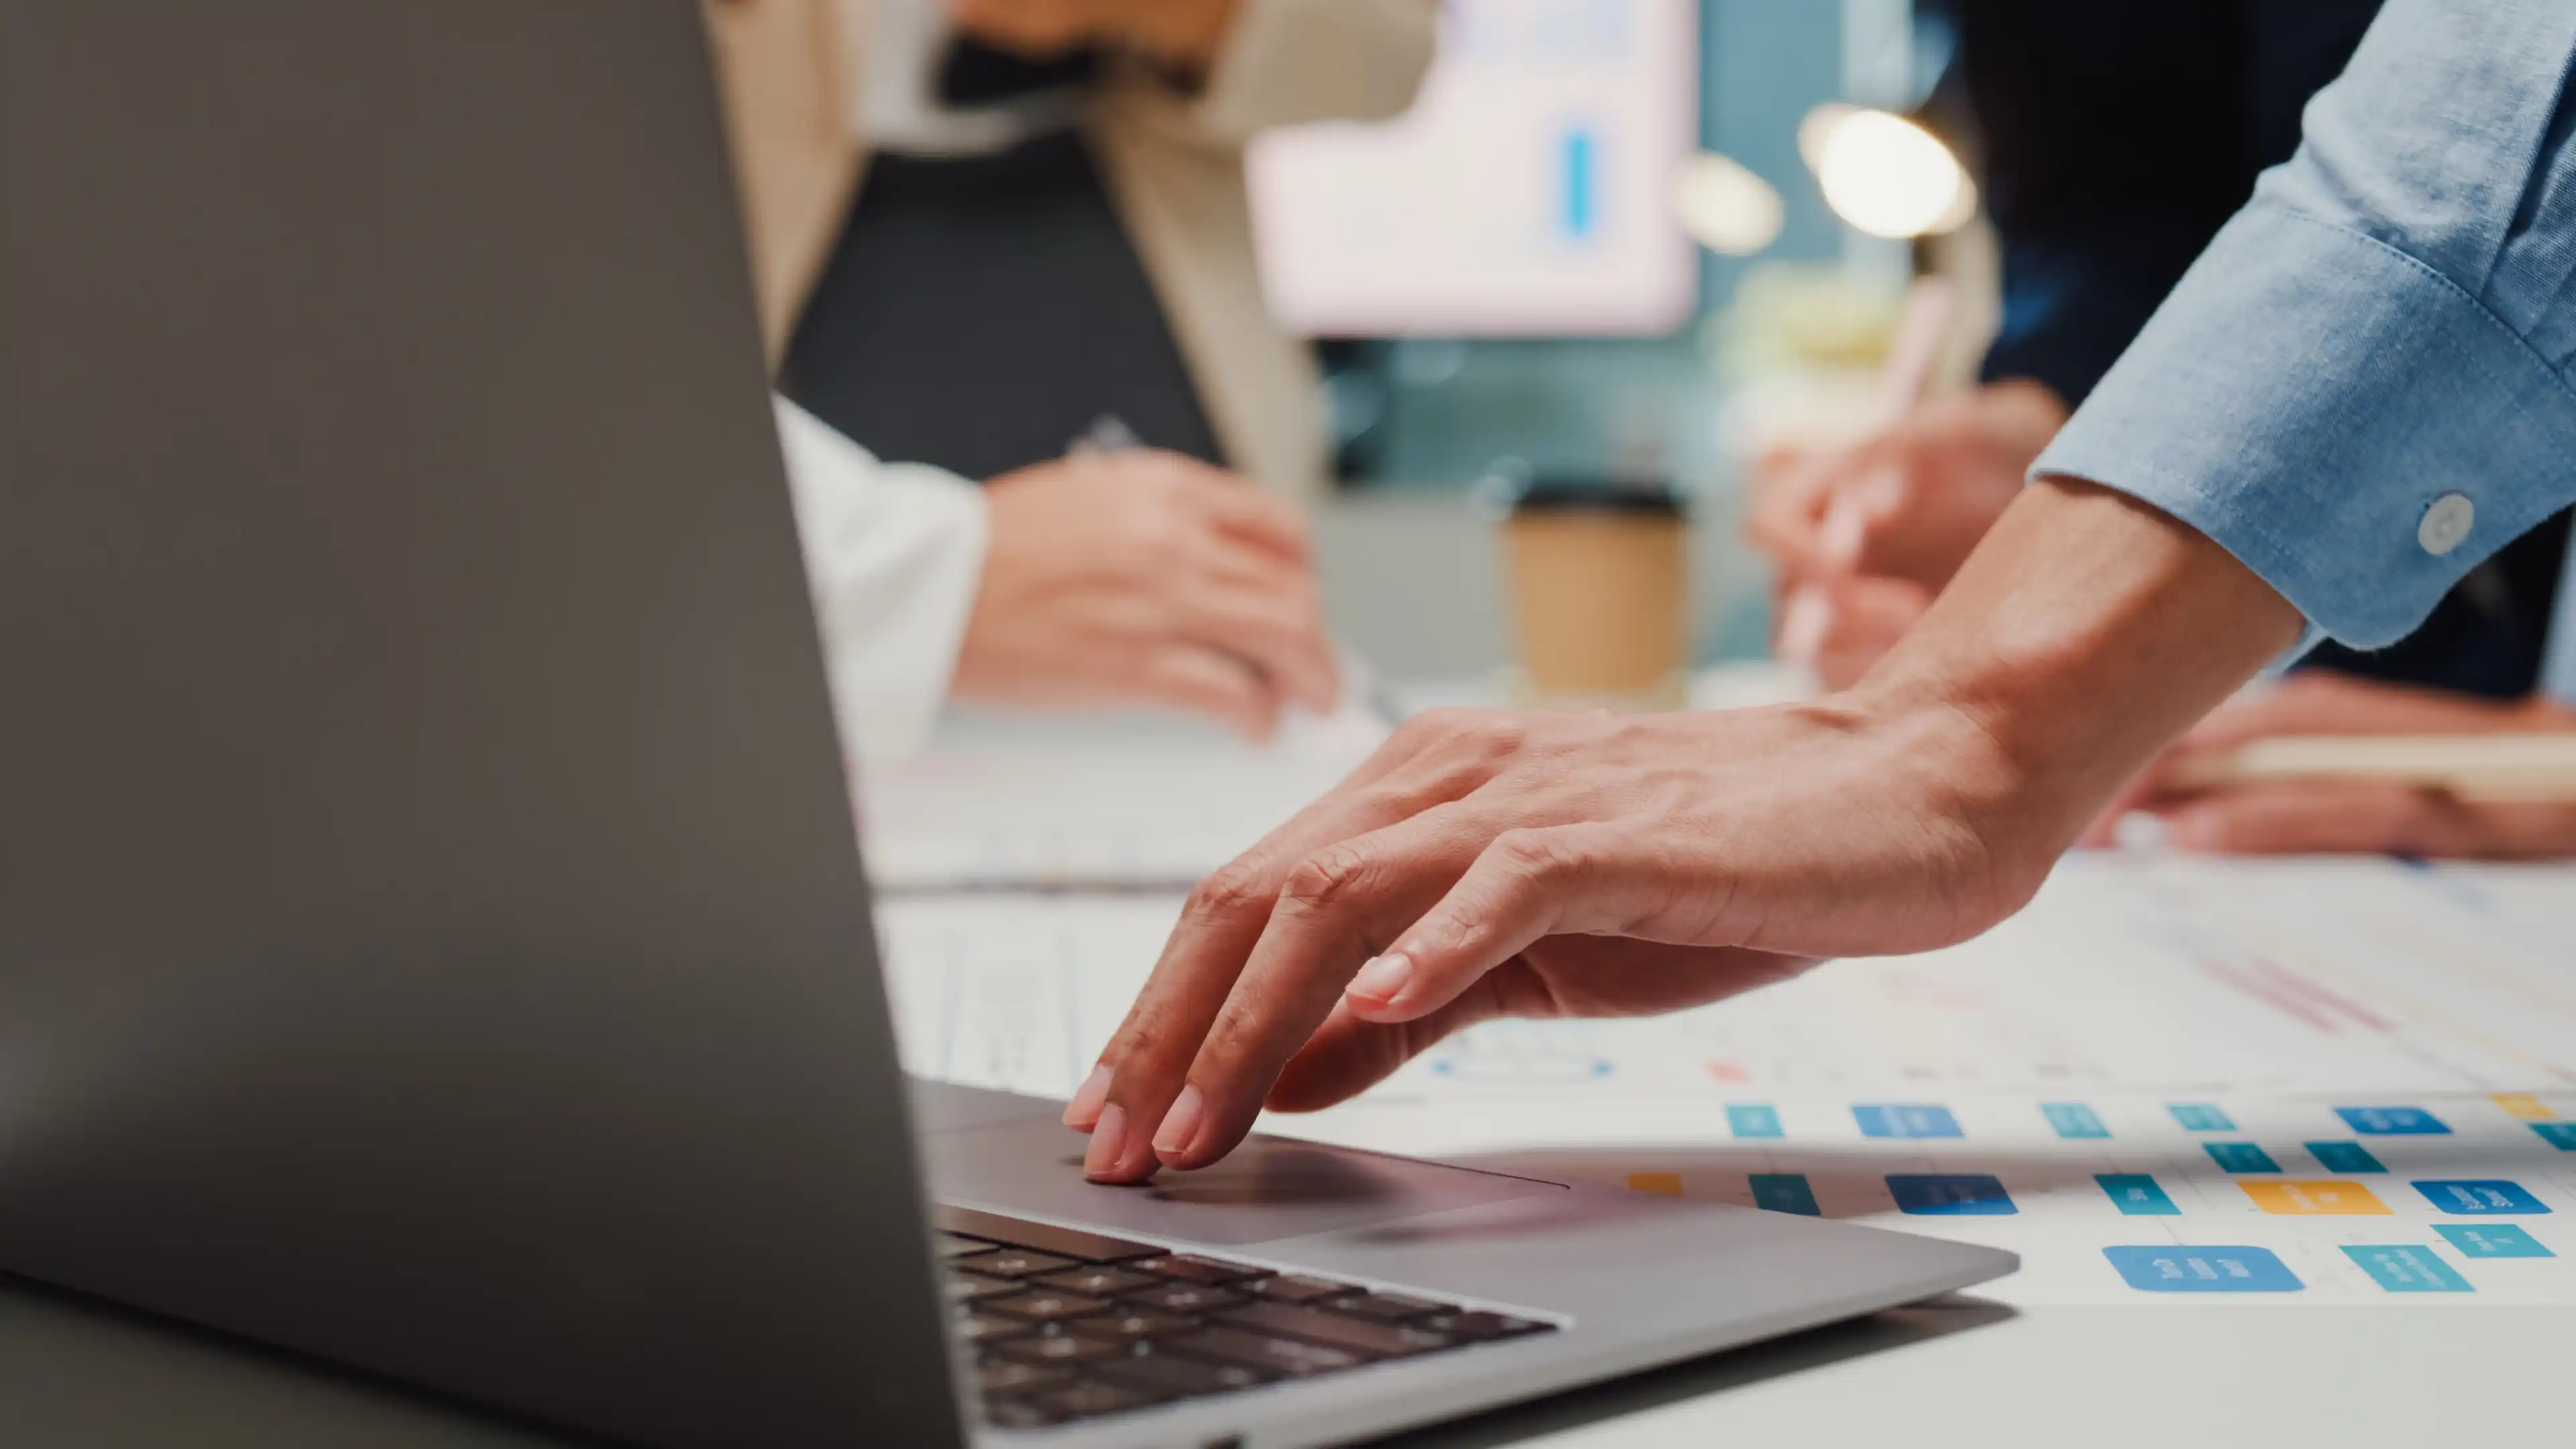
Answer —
(1282, 634)
(2314, 817)
(1336, 909)
(1141, 1068)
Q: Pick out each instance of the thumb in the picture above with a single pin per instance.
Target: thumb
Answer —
(1867, 617)
(1867, 507)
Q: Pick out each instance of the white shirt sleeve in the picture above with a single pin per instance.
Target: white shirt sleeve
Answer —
(893, 553)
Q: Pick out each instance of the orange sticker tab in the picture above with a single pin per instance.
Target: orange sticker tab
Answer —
(2316, 1199)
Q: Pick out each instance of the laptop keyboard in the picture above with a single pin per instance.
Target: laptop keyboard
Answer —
(1067, 1324)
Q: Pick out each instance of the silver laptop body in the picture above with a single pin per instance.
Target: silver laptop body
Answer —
(432, 936)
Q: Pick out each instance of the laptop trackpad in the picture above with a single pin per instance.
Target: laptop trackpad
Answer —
(1268, 1188)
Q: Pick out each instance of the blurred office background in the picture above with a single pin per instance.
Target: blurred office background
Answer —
(1598, 248)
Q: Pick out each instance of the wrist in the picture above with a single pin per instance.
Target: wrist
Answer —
(2086, 633)
(1950, 759)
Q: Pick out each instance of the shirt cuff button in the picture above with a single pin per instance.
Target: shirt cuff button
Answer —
(2446, 524)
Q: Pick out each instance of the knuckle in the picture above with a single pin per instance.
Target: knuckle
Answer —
(1239, 886)
(1143, 1039)
(1546, 854)
(1500, 736)
(1135, 1041)
(1420, 789)
(1157, 534)
(1478, 733)
(1330, 877)
(1233, 1036)
(1433, 724)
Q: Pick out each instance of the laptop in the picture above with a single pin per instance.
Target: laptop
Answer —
(432, 930)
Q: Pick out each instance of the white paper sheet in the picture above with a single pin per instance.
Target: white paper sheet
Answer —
(1114, 802)
(2265, 1048)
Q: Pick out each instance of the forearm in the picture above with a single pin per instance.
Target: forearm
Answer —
(2085, 633)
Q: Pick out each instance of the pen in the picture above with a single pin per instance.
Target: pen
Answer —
(1807, 620)
(2521, 768)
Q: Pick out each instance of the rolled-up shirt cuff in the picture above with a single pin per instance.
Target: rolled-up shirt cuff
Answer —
(2306, 397)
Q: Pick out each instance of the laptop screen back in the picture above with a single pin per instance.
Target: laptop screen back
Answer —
(431, 930)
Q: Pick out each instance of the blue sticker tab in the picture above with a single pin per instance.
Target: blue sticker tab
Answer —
(2137, 1195)
(1785, 1192)
(1905, 1119)
(2201, 1117)
(2481, 1196)
(2392, 1122)
(2073, 1119)
(2344, 1157)
(2169, 1269)
(2241, 1157)
(1753, 1119)
(2561, 1135)
(2492, 1240)
(1951, 1195)
(2408, 1268)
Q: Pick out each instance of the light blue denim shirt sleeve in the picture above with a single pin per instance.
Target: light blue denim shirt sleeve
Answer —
(2390, 320)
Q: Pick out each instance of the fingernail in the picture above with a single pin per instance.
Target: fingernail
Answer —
(1881, 493)
(1108, 1143)
(1084, 1109)
(2138, 830)
(1804, 624)
(1380, 978)
(1181, 1124)
(1845, 530)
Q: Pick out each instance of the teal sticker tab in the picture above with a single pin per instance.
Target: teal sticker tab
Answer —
(2164, 1268)
(1785, 1192)
(2136, 1194)
(2201, 1117)
(2073, 1120)
(2240, 1157)
(2478, 1196)
(1951, 1194)
(1753, 1119)
(2393, 1122)
(2492, 1240)
(2408, 1268)
(2561, 1135)
(1905, 1119)
(2344, 1157)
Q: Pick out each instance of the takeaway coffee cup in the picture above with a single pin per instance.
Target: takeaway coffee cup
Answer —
(1598, 572)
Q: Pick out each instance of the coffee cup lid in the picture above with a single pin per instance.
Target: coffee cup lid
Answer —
(1513, 489)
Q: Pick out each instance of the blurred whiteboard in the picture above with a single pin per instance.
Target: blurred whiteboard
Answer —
(1528, 192)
